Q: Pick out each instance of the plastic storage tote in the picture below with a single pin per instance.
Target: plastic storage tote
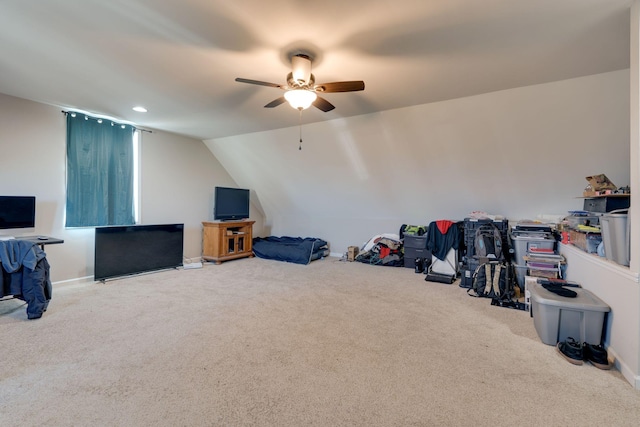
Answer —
(556, 318)
(615, 235)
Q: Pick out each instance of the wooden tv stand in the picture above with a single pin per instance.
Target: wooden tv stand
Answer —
(225, 240)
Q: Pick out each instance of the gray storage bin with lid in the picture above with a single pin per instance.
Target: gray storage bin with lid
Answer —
(615, 236)
(556, 317)
(415, 241)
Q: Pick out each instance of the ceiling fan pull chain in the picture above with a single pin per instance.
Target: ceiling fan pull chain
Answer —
(300, 146)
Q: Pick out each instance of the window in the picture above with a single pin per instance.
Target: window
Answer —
(100, 172)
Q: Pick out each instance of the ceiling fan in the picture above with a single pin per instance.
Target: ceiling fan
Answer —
(301, 90)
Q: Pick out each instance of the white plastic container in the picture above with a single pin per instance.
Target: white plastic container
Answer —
(615, 236)
(522, 243)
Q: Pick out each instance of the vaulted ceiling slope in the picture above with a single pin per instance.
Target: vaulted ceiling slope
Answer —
(179, 58)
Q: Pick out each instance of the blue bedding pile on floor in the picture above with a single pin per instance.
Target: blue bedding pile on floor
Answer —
(297, 250)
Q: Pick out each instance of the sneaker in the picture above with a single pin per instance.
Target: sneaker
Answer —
(571, 350)
(596, 355)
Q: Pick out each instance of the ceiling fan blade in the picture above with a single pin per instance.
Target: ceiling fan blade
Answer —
(258, 82)
(323, 104)
(350, 86)
(275, 102)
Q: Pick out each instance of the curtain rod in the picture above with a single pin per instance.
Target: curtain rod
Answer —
(137, 128)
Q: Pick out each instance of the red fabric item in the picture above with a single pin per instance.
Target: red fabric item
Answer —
(384, 252)
(443, 225)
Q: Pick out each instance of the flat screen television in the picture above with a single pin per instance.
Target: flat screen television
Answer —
(132, 249)
(230, 204)
(17, 212)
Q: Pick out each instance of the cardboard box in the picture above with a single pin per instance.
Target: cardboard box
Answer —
(352, 253)
(588, 242)
(599, 184)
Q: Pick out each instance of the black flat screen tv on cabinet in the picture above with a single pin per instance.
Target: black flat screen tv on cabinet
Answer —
(132, 249)
(230, 204)
(17, 212)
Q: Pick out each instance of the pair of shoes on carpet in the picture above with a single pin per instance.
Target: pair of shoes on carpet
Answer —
(576, 353)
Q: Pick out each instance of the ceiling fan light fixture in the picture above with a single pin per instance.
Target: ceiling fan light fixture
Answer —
(300, 99)
(300, 91)
(301, 69)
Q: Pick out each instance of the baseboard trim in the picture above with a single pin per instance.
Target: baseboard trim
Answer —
(627, 373)
(73, 281)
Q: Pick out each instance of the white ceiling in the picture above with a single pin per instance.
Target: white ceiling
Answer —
(179, 58)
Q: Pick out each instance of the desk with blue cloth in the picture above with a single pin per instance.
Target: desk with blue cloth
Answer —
(25, 272)
(41, 240)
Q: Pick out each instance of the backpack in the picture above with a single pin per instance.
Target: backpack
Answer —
(417, 230)
(487, 242)
(493, 279)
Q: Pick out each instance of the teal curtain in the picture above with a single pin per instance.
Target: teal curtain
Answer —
(99, 172)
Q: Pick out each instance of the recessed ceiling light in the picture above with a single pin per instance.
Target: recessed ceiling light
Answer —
(140, 109)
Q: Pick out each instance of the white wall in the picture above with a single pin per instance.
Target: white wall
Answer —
(32, 162)
(178, 178)
(617, 287)
(517, 153)
(630, 338)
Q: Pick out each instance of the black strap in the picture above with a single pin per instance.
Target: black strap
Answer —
(559, 290)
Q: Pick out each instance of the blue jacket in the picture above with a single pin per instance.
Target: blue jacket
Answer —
(25, 275)
(440, 244)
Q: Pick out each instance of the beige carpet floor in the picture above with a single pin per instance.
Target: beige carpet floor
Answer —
(263, 343)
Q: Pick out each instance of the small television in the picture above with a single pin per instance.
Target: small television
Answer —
(230, 204)
(17, 212)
